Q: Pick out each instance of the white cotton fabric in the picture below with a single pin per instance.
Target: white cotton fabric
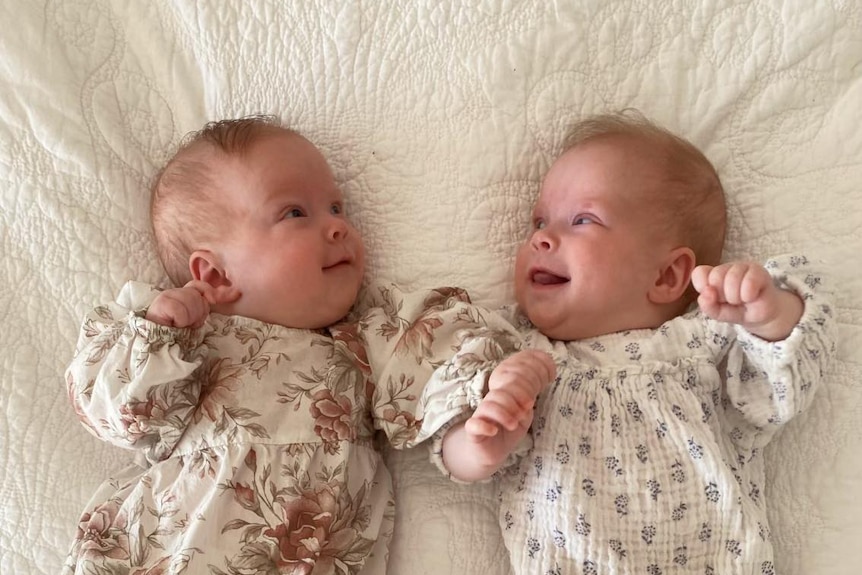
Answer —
(647, 451)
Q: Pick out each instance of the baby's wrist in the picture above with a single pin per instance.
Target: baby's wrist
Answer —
(789, 308)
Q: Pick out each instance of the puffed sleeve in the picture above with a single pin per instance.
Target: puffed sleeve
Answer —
(132, 382)
(462, 366)
(768, 383)
(407, 336)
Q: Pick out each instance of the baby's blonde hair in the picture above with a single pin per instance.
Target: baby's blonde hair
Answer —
(184, 206)
(692, 197)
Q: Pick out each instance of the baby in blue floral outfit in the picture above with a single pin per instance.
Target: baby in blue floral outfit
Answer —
(647, 451)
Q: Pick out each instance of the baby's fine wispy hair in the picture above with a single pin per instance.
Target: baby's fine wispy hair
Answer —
(183, 194)
(692, 196)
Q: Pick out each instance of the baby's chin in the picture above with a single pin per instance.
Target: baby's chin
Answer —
(314, 316)
(561, 326)
(338, 311)
(551, 325)
(558, 334)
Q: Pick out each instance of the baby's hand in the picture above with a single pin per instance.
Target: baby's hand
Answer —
(744, 293)
(512, 390)
(189, 305)
(475, 449)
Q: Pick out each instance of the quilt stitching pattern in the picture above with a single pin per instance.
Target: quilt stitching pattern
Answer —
(439, 120)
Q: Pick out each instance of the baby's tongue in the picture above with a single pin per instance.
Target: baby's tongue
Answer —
(546, 278)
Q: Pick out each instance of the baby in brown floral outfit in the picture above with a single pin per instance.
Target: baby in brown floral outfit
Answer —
(253, 407)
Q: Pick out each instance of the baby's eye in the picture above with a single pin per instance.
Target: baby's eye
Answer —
(293, 213)
(336, 209)
(583, 219)
(539, 224)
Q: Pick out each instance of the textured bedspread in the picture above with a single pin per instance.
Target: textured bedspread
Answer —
(439, 121)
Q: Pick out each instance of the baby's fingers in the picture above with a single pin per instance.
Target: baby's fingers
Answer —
(710, 306)
(700, 277)
(754, 282)
(523, 396)
(546, 366)
(214, 295)
(174, 309)
(531, 369)
(501, 409)
(735, 283)
(742, 283)
(480, 428)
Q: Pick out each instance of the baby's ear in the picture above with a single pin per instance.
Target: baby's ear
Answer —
(205, 266)
(674, 277)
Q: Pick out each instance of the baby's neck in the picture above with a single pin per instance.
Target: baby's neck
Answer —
(650, 322)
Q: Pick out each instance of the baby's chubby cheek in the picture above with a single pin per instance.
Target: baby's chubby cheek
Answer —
(521, 282)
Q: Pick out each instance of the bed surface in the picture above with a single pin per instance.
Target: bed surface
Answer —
(439, 121)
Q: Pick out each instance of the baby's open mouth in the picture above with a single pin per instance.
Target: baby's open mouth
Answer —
(547, 278)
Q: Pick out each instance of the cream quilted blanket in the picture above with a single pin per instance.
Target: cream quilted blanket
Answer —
(439, 117)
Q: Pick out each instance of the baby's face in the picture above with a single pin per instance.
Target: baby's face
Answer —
(594, 249)
(289, 248)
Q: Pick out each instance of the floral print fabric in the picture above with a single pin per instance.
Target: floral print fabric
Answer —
(647, 449)
(256, 441)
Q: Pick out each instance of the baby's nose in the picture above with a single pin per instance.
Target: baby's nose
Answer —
(337, 229)
(543, 240)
